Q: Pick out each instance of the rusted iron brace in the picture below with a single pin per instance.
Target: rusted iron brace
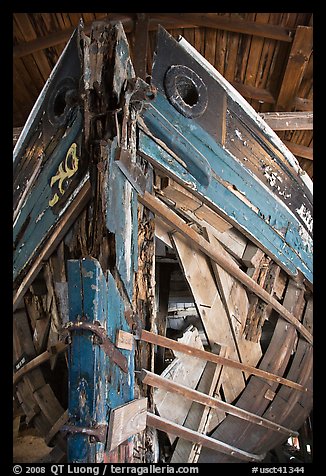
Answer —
(109, 348)
(99, 433)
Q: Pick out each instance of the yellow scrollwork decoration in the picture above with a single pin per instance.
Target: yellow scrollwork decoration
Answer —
(64, 172)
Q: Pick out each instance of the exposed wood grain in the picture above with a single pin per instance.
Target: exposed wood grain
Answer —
(296, 65)
(212, 20)
(178, 430)
(252, 255)
(185, 200)
(209, 305)
(275, 359)
(253, 92)
(124, 340)
(284, 121)
(125, 421)
(236, 303)
(160, 382)
(39, 360)
(300, 150)
(55, 38)
(172, 219)
(152, 338)
(141, 44)
(184, 369)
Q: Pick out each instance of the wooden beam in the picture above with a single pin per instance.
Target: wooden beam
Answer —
(288, 121)
(155, 339)
(159, 208)
(302, 104)
(58, 37)
(56, 427)
(237, 25)
(206, 416)
(198, 274)
(168, 427)
(141, 45)
(295, 68)
(300, 150)
(37, 361)
(252, 92)
(149, 378)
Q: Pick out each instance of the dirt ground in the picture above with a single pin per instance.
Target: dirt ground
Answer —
(28, 446)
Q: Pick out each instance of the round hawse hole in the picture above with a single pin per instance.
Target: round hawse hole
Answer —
(187, 90)
(60, 103)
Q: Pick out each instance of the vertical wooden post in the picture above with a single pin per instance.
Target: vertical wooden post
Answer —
(96, 383)
(141, 43)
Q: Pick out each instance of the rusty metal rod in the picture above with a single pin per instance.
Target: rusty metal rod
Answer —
(154, 380)
(162, 210)
(162, 341)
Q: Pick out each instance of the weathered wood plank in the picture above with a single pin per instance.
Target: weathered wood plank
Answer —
(56, 427)
(252, 92)
(236, 303)
(56, 236)
(186, 370)
(173, 220)
(124, 340)
(287, 121)
(244, 434)
(185, 200)
(178, 430)
(209, 305)
(199, 416)
(303, 104)
(125, 421)
(298, 60)
(39, 360)
(161, 382)
(299, 150)
(141, 44)
(152, 338)
(212, 20)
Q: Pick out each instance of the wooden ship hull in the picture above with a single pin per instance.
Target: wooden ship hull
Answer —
(124, 189)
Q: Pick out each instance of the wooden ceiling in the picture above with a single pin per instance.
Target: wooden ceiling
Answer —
(268, 57)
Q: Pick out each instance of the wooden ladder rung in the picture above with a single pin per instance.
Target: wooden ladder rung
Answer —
(154, 380)
(187, 434)
(156, 339)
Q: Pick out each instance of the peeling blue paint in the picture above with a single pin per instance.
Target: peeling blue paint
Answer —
(96, 384)
(40, 216)
(121, 219)
(274, 226)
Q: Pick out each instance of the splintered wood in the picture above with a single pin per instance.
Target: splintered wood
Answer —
(186, 370)
(267, 274)
(235, 299)
(227, 300)
(201, 418)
